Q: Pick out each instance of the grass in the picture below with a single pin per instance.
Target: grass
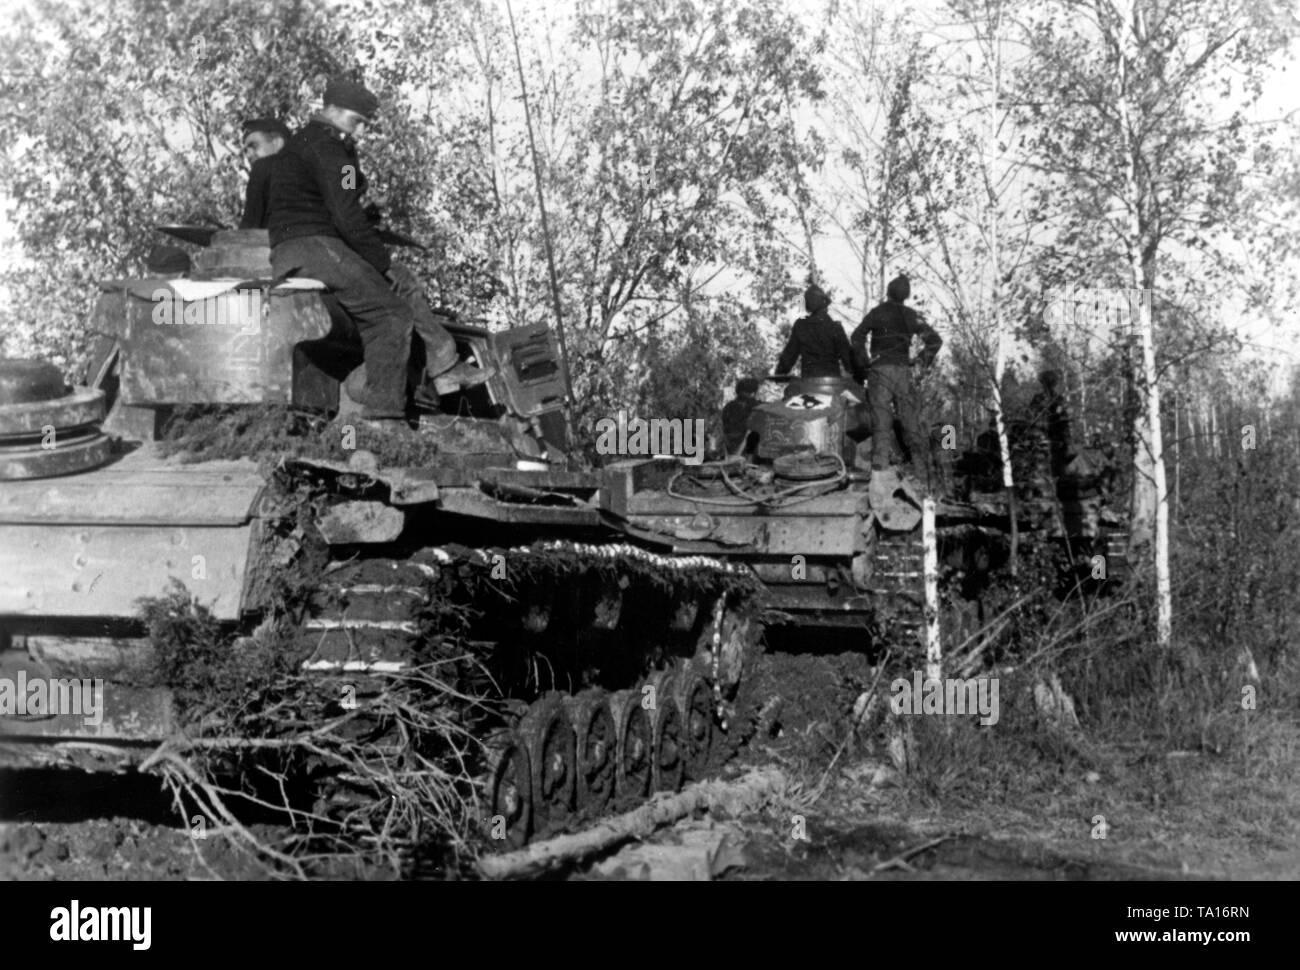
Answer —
(1184, 778)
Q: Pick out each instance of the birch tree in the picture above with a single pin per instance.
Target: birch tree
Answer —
(993, 213)
(942, 149)
(1138, 107)
(880, 136)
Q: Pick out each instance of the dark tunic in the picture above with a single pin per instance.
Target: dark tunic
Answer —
(316, 189)
(735, 421)
(819, 342)
(890, 327)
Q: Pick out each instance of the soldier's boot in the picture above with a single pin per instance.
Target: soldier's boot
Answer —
(461, 378)
(428, 394)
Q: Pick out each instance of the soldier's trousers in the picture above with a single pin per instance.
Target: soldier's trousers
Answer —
(384, 318)
(439, 346)
(890, 390)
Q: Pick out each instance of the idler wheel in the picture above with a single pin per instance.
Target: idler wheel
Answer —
(597, 746)
(695, 701)
(635, 739)
(552, 749)
(510, 790)
(666, 732)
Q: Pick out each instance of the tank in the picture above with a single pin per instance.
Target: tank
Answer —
(840, 549)
(594, 670)
(589, 628)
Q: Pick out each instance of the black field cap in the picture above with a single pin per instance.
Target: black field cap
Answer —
(815, 298)
(747, 385)
(270, 126)
(349, 94)
(899, 288)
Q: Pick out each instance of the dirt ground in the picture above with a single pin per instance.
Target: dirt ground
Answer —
(863, 831)
(849, 813)
(71, 825)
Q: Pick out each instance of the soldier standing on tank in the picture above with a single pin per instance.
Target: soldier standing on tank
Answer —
(818, 343)
(320, 230)
(264, 138)
(884, 341)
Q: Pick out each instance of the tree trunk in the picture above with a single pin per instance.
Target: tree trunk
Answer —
(995, 257)
(1178, 455)
(930, 540)
(746, 794)
(1149, 514)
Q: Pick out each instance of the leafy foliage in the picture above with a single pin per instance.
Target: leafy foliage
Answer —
(130, 118)
(131, 115)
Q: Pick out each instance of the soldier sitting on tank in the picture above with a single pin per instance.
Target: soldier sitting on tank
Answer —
(319, 229)
(735, 415)
(264, 138)
(884, 341)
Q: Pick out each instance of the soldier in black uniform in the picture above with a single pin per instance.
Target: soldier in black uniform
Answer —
(735, 415)
(818, 342)
(320, 229)
(264, 138)
(884, 341)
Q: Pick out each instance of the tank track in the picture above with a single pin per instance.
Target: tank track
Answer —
(898, 587)
(609, 668)
(967, 566)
